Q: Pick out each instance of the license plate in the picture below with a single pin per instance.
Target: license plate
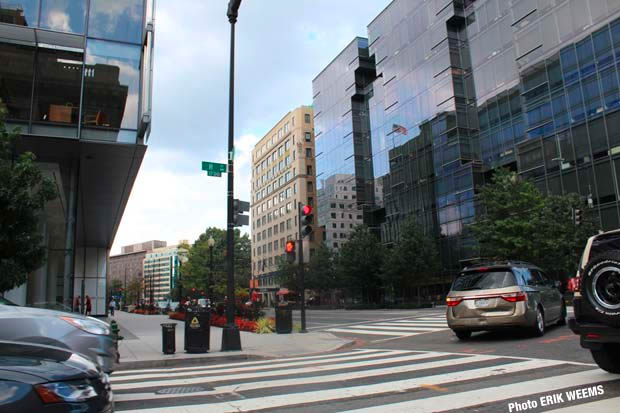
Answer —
(484, 302)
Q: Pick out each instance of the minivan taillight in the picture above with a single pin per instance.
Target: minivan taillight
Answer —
(514, 297)
(574, 284)
(453, 302)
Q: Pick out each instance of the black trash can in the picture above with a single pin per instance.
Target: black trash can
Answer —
(168, 343)
(284, 318)
(197, 329)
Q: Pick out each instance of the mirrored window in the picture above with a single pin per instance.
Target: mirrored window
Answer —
(117, 20)
(16, 80)
(111, 85)
(63, 15)
(57, 89)
(20, 12)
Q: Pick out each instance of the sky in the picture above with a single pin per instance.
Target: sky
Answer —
(281, 45)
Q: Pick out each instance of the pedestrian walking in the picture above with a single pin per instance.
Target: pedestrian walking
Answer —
(112, 307)
(76, 305)
(89, 305)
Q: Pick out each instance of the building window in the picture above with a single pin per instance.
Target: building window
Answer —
(333, 215)
(122, 22)
(334, 225)
(65, 15)
(308, 153)
(306, 117)
(309, 170)
(288, 224)
(335, 245)
(287, 144)
(310, 201)
(310, 187)
(307, 136)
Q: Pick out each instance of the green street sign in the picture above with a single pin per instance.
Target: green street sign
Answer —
(212, 167)
(211, 173)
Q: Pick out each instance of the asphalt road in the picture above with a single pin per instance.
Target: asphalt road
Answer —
(407, 368)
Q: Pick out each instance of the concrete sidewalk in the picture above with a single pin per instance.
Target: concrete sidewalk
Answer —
(142, 344)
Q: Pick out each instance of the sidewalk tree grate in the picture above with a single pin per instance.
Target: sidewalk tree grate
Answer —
(183, 390)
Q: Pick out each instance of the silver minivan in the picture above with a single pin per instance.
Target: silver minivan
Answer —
(500, 295)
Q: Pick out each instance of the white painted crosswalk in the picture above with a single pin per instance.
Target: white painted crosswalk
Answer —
(363, 380)
(396, 328)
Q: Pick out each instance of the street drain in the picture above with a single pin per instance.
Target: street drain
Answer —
(182, 390)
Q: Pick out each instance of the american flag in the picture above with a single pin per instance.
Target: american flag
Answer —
(399, 128)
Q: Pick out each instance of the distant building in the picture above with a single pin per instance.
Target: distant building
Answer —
(129, 265)
(161, 272)
(283, 175)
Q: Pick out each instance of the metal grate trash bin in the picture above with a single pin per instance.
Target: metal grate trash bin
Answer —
(168, 339)
(197, 329)
(284, 318)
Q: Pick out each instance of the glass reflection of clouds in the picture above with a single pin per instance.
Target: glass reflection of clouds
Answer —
(116, 20)
(63, 15)
(122, 62)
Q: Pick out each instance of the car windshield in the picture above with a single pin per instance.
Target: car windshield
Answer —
(484, 280)
(6, 302)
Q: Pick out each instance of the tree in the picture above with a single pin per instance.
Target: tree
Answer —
(287, 274)
(321, 275)
(360, 263)
(197, 273)
(520, 223)
(24, 191)
(114, 287)
(414, 261)
(132, 293)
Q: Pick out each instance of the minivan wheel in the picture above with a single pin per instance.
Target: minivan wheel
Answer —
(608, 358)
(539, 323)
(462, 334)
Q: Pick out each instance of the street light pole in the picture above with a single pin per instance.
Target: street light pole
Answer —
(231, 339)
(211, 243)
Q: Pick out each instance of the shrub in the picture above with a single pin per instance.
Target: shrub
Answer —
(265, 325)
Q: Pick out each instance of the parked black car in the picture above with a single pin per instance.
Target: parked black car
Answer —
(38, 378)
(597, 300)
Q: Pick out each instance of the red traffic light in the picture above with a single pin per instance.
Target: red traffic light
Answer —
(307, 210)
(290, 246)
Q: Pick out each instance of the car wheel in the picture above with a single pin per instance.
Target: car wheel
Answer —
(562, 320)
(539, 323)
(608, 358)
(601, 287)
(462, 334)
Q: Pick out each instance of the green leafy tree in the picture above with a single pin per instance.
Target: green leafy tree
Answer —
(132, 293)
(360, 264)
(114, 287)
(197, 272)
(24, 192)
(413, 262)
(321, 274)
(520, 223)
(287, 274)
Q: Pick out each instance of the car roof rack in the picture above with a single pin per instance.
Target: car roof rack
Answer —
(494, 263)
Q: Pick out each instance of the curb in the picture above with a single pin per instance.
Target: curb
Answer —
(145, 364)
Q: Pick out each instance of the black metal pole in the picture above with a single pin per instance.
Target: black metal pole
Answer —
(301, 270)
(210, 273)
(231, 339)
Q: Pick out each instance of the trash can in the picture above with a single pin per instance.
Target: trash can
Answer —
(168, 343)
(197, 329)
(284, 318)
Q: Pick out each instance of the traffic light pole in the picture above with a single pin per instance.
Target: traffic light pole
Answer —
(231, 339)
(301, 270)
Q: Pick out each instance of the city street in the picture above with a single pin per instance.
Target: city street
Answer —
(429, 370)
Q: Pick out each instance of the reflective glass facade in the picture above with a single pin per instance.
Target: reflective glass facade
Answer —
(75, 76)
(463, 87)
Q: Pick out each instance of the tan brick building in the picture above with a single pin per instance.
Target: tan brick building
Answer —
(283, 175)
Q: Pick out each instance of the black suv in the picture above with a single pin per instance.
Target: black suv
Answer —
(597, 300)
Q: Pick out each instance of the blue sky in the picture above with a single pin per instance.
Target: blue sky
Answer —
(281, 45)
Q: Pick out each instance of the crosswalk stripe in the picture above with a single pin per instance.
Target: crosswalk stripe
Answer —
(369, 332)
(401, 328)
(419, 322)
(413, 324)
(428, 319)
(317, 379)
(242, 367)
(182, 381)
(283, 400)
(505, 393)
(326, 357)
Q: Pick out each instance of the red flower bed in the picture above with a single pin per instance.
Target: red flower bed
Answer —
(144, 312)
(220, 321)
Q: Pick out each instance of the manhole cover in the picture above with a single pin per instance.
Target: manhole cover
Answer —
(182, 390)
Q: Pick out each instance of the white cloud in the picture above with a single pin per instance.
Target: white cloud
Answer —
(57, 20)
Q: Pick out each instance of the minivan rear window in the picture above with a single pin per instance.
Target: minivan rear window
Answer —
(485, 280)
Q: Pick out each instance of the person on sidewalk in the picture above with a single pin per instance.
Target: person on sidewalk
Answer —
(112, 307)
(76, 305)
(89, 305)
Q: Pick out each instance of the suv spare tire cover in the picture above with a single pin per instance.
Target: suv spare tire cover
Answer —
(601, 287)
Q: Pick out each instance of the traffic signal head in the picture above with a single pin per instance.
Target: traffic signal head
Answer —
(578, 216)
(289, 248)
(306, 220)
(239, 207)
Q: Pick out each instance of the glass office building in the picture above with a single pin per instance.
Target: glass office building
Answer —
(463, 87)
(76, 79)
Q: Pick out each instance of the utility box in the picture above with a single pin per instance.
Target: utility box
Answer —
(197, 329)
(168, 339)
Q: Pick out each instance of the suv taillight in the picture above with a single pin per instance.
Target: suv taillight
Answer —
(453, 302)
(574, 284)
(514, 297)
